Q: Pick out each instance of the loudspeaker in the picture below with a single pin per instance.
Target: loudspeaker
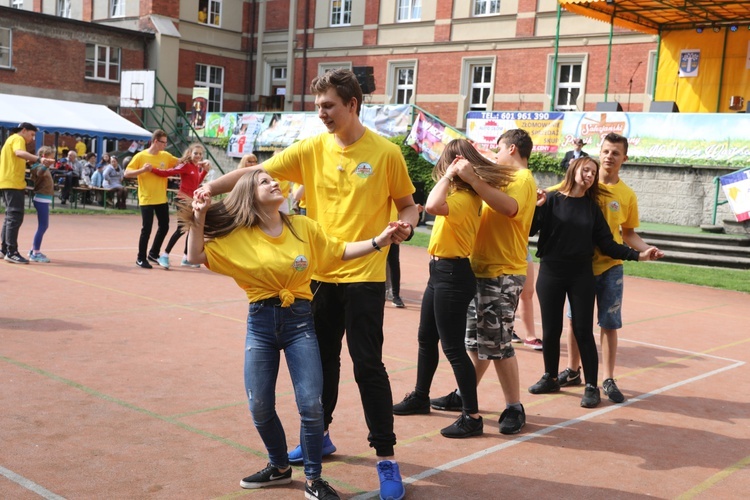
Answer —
(608, 106)
(366, 78)
(663, 107)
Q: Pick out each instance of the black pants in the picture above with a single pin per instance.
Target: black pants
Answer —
(576, 280)
(162, 216)
(449, 291)
(71, 181)
(356, 308)
(394, 269)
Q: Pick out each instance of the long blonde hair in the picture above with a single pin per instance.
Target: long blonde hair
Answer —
(490, 172)
(239, 209)
(187, 155)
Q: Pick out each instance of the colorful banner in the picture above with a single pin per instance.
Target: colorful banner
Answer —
(429, 137)
(689, 62)
(543, 127)
(249, 132)
(685, 138)
(736, 187)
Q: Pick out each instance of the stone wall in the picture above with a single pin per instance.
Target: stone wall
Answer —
(670, 194)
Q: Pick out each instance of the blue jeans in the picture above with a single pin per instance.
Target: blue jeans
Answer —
(609, 288)
(42, 216)
(271, 329)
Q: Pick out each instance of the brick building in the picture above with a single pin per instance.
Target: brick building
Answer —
(446, 56)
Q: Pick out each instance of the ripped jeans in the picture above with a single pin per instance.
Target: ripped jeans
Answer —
(271, 329)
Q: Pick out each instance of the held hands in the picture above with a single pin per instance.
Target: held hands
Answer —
(394, 233)
(200, 205)
(47, 162)
(651, 253)
(203, 192)
(541, 197)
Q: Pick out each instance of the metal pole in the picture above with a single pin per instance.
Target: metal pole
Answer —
(554, 62)
(656, 65)
(609, 52)
(721, 73)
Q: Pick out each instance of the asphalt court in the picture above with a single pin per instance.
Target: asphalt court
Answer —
(120, 382)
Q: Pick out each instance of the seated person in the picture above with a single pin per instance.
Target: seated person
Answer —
(113, 176)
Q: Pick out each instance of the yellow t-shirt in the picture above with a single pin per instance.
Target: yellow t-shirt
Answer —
(619, 205)
(80, 149)
(152, 189)
(349, 191)
(263, 265)
(501, 243)
(13, 168)
(454, 235)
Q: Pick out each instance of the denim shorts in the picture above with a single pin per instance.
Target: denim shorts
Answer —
(609, 290)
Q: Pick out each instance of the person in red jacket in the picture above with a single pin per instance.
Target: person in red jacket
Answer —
(192, 169)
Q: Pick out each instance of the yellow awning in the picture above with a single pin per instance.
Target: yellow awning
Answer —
(653, 16)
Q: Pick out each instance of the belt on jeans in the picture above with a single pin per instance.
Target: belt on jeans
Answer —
(435, 257)
(275, 301)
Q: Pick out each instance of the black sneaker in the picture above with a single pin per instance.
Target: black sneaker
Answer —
(15, 258)
(153, 259)
(545, 385)
(610, 389)
(516, 339)
(319, 489)
(591, 397)
(398, 302)
(451, 402)
(412, 405)
(270, 476)
(464, 427)
(511, 420)
(569, 377)
(3, 250)
(143, 263)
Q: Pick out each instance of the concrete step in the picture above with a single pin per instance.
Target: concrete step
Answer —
(713, 239)
(701, 248)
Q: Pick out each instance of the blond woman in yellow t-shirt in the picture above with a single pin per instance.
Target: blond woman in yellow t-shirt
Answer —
(452, 284)
(272, 257)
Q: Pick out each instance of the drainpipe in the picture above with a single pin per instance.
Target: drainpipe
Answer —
(259, 49)
(289, 97)
(250, 52)
(609, 52)
(304, 53)
(554, 62)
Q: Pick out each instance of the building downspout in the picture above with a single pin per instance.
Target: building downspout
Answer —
(259, 48)
(554, 62)
(304, 53)
(250, 53)
(291, 42)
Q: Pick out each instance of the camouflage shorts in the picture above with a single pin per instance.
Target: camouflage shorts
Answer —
(489, 327)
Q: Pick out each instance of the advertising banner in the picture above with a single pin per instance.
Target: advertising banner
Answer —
(199, 108)
(685, 138)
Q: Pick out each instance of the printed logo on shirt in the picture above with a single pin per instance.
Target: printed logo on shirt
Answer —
(300, 263)
(614, 206)
(363, 170)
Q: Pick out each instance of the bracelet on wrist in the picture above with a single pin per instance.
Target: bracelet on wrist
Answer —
(411, 235)
(376, 246)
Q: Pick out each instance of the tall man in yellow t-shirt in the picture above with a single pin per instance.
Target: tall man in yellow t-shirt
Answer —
(499, 263)
(152, 197)
(13, 158)
(351, 176)
(620, 207)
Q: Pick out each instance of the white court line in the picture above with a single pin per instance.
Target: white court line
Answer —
(547, 430)
(29, 485)
(677, 349)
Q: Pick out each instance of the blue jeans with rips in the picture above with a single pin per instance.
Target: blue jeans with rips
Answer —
(271, 329)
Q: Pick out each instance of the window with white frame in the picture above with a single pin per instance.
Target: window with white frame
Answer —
(116, 8)
(569, 83)
(213, 78)
(404, 88)
(5, 48)
(481, 86)
(16, 4)
(323, 68)
(409, 10)
(486, 7)
(102, 62)
(341, 12)
(209, 12)
(63, 8)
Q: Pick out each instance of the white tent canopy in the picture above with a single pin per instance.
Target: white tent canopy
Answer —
(67, 117)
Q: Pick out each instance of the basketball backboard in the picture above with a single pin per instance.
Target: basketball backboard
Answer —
(137, 89)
